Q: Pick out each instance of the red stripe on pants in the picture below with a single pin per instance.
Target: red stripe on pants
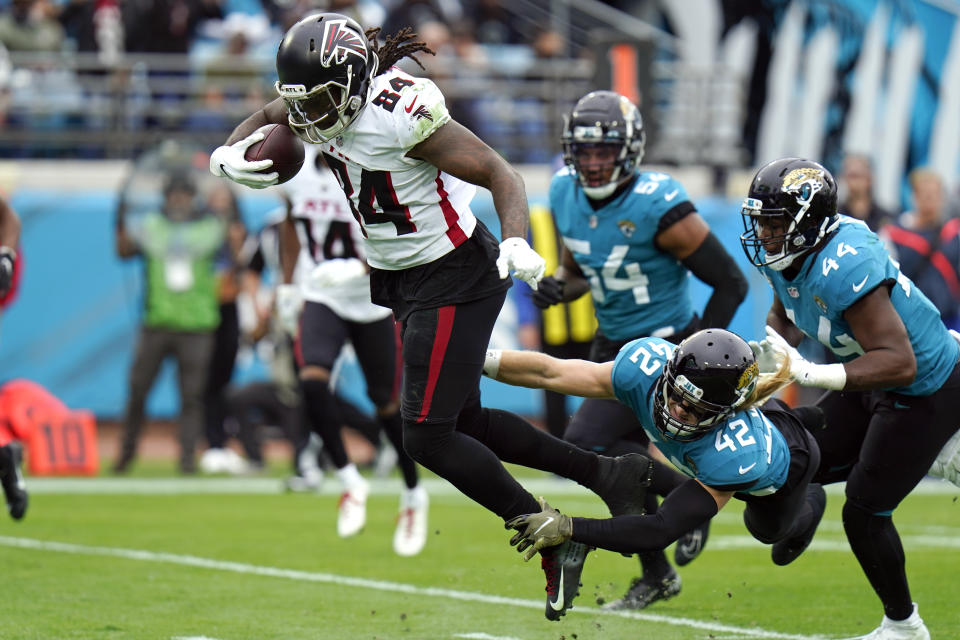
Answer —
(440, 342)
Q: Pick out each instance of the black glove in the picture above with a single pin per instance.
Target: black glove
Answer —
(549, 292)
(7, 258)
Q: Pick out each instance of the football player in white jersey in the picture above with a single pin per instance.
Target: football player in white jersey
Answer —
(337, 308)
(409, 172)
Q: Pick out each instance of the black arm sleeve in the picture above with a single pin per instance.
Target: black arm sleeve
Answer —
(685, 508)
(712, 264)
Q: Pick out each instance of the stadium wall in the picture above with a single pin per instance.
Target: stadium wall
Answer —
(73, 325)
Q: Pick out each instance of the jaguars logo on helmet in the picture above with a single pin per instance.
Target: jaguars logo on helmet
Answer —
(805, 183)
(748, 379)
(796, 197)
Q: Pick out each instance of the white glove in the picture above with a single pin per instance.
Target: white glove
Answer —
(289, 303)
(337, 272)
(229, 161)
(517, 256)
(809, 374)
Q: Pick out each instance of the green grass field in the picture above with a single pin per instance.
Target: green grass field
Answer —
(236, 559)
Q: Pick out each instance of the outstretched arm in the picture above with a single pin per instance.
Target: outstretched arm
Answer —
(686, 508)
(540, 371)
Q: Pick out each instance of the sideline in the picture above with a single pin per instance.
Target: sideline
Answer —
(381, 585)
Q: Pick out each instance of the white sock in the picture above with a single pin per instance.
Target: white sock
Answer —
(413, 498)
(349, 476)
(913, 622)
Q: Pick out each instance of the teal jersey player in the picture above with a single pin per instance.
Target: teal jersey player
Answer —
(633, 239)
(745, 451)
(702, 402)
(890, 410)
(637, 288)
(851, 264)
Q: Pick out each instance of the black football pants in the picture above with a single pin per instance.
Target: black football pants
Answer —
(447, 431)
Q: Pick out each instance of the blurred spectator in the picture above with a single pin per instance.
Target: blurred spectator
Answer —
(494, 25)
(222, 202)
(235, 68)
(927, 246)
(95, 26)
(856, 189)
(31, 25)
(6, 75)
(165, 26)
(178, 244)
(533, 117)
(286, 12)
(10, 262)
(412, 14)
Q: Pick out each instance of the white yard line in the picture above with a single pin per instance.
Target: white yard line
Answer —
(379, 585)
(242, 485)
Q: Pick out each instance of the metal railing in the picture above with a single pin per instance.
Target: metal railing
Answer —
(74, 107)
(58, 106)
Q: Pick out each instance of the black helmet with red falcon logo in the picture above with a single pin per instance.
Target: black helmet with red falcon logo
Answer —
(324, 65)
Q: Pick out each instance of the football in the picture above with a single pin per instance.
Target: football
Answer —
(283, 147)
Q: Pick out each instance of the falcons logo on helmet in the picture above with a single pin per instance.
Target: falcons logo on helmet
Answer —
(339, 41)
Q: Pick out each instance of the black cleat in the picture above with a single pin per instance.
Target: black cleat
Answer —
(789, 549)
(562, 565)
(691, 544)
(643, 592)
(623, 483)
(14, 488)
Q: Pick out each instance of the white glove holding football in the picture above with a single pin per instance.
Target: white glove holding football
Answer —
(525, 263)
(229, 161)
(337, 272)
(809, 374)
(289, 303)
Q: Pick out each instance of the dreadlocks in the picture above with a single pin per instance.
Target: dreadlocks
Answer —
(396, 48)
